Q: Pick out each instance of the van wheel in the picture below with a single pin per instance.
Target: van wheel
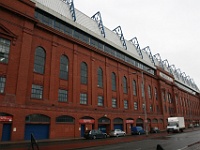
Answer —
(139, 133)
(94, 137)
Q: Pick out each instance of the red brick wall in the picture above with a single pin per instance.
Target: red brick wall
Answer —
(26, 34)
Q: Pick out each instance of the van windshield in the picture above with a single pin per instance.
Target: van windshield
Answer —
(172, 124)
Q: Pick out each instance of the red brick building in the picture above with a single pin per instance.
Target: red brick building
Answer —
(62, 72)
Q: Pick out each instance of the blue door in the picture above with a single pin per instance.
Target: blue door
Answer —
(118, 126)
(102, 128)
(6, 132)
(39, 131)
(82, 130)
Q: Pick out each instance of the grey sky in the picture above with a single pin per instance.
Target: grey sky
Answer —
(169, 27)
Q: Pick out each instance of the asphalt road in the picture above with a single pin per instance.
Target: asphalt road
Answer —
(178, 141)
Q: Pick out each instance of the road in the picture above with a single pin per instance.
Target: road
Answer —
(179, 141)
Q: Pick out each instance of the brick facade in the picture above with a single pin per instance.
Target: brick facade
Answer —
(26, 34)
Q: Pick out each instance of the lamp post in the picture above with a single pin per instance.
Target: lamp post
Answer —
(144, 101)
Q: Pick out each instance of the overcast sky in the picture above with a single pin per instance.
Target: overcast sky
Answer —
(169, 27)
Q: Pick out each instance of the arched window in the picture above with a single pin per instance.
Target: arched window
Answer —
(64, 119)
(113, 81)
(134, 88)
(170, 99)
(100, 77)
(39, 61)
(37, 118)
(84, 73)
(156, 94)
(125, 84)
(64, 67)
(142, 89)
(149, 91)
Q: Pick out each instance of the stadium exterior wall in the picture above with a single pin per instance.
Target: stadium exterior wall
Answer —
(20, 108)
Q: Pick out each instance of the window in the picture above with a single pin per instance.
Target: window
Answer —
(155, 120)
(143, 106)
(37, 91)
(142, 89)
(62, 95)
(84, 73)
(114, 103)
(39, 61)
(151, 108)
(64, 27)
(165, 108)
(169, 98)
(100, 77)
(134, 88)
(163, 96)
(4, 50)
(64, 119)
(100, 101)
(180, 101)
(176, 99)
(135, 106)
(2, 84)
(156, 94)
(37, 118)
(125, 104)
(125, 84)
(83, 98)
(157, 108)
(149, 91)
(63, 67)
(113, 81)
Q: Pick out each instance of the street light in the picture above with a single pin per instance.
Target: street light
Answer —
(144, 101)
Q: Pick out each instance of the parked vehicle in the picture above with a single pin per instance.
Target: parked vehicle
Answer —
(117, 133)
(154, 130)
(191, 125)
(137, 130)
(176, 124)
(94, 134)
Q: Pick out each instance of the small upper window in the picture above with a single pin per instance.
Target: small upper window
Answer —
(2, 84)
(125, 104)
(100, 101)
(39, 61)
(83, 98)
(62, 95)
(114, 103)
(4, 50)
(37, 91)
